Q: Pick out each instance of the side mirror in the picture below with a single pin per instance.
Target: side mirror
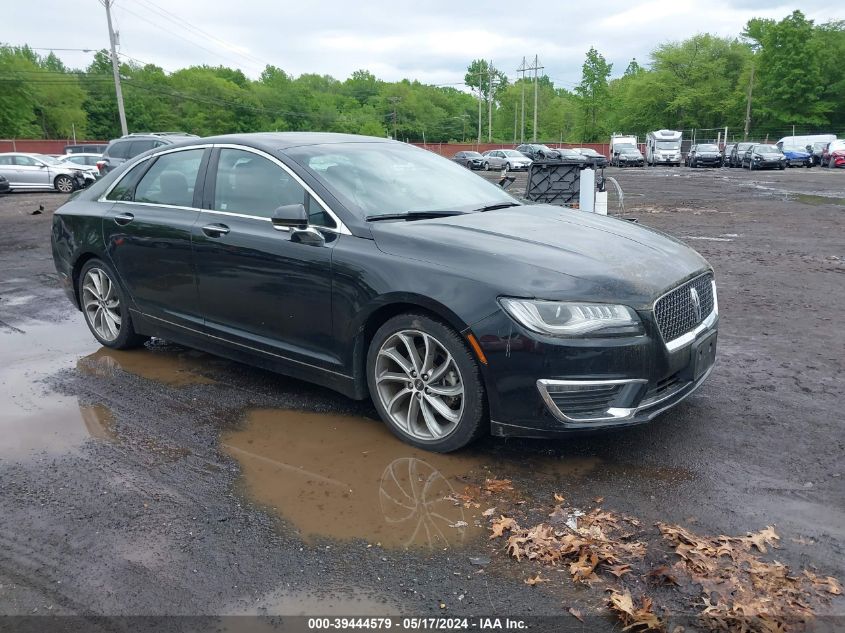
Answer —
(290, 216)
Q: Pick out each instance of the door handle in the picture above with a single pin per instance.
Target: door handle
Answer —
(123, 218)
(215, 230)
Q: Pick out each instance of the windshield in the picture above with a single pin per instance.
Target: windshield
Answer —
(472, 154)
(386, 178)
(513, 152)
(744, 146)
(545, 148)
(794, 148)
(47, 159)
(586, 151)
(629, 150)
(668, 145)
(767, 149)
(708, 148)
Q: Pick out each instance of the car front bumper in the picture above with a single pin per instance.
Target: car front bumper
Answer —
(543, 387)
(769, 164)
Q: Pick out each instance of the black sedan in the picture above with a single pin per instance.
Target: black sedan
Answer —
(761, 156)
(5, 187)
(704, 155)
(470, 160)
(382, 270)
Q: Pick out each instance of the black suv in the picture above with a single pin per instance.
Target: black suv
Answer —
(737, 151)
(122, 149)
(536, 151)
(704, 155)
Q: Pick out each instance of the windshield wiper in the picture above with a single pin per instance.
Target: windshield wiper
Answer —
(500, 205)
(412, 215)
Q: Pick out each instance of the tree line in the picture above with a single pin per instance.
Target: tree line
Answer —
(792, 69)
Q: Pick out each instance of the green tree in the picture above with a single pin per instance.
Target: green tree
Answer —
(593, 91)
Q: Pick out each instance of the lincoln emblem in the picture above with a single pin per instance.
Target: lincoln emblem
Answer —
(696, 303)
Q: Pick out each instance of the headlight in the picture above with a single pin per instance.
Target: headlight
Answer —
(559, 318)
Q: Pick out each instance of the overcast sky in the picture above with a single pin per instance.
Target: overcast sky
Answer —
(432, 41)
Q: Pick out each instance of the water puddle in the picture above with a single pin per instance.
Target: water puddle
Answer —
(162, 363)
(33, 418)
(345, 477)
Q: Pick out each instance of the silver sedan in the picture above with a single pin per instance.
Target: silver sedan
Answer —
(37, 171)
(508, 159)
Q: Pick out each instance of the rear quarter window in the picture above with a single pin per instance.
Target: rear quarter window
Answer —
(119, 149)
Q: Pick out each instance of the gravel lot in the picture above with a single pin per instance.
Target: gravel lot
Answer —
(165, 481)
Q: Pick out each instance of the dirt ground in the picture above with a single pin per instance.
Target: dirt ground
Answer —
(166, 481)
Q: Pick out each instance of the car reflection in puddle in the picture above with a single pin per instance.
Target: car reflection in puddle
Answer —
(344, 477)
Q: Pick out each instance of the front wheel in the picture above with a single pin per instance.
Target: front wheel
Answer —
(104, 306)
(63, 184)
(486, 166)
(426, 384)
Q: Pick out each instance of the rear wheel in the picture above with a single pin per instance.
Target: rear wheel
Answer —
(63, 184)
(425, 383)
(104, 306)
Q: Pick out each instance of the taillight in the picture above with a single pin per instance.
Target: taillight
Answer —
(100, 165)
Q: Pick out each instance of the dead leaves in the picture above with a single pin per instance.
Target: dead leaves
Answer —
(638, 618)
(575, 613)
(501, 525)
(497, 486)
(535, 580)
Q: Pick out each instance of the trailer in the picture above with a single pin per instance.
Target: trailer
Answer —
(663, 147)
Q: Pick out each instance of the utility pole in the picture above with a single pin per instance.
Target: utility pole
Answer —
(490, 102)
(394, 101)
(115, 68)
(521, 69)
(748, 105)
(535, 68)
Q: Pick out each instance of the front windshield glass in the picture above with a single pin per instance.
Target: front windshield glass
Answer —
(513, 152)
(744, 145)
(708, 148)
(472, 154)
(668, 145)
(586, 151)
(47, 159)
(767, 149)
(794, 148)
(629, 150)
(545, 148)
(386, 178)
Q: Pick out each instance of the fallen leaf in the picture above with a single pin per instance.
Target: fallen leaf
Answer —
(640, 618)
(662, 576)
(488, 512)
(559, 498)
(762, 538)
(575, 613)
(537, 579)
(619, 570)
(497, 485)
(500, 525)
(598, 500)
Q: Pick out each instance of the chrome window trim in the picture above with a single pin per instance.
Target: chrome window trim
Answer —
(340, 229)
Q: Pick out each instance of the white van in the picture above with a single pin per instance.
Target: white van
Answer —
(804, 141)
(663, 147)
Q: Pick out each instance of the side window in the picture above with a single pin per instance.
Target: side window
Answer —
(26, 161)
(126, 185)
(171, 179)
(5, 160)
(118, 150)
(139, 147)
(250, 184)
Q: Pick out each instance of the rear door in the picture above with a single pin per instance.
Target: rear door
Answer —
(148, 233)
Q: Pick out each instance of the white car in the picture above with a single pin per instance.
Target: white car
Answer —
(508, 159)
(87, 162)
(38, 171)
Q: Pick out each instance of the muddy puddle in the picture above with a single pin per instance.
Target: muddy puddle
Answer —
(32, 418)
(158, 362)
(347, 477)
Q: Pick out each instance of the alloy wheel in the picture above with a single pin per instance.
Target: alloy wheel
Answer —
(101, 304)
(419, 385)
(64, 184)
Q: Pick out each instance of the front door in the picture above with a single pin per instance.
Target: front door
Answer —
(259, 287)
(148, 234)
(31, 172)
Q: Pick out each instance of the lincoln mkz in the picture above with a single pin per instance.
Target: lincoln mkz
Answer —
(381, 270)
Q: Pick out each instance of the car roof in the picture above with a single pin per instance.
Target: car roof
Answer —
(270, 141)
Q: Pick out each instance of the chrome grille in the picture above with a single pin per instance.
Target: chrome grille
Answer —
(675, 311)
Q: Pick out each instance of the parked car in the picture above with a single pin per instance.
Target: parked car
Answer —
(737, 154)
(834, 154)
(704, 155)
(726, 153)
(538, 152)
(400, 276)
(627, 156)
(762, 156)
(797, 156)
(509, 159)
(37, 171)
(85, 162)
(818, 151)
(126, 147)
(470, 160)
(86, 148)
(565, 153)
(5, 187)
(592, 156)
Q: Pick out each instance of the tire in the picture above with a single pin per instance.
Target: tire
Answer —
(394, 387)
(100, 318)
(63, 184)
(782, 167)
(830, 164)
(508, 166)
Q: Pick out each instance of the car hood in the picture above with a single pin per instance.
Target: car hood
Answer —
(769, 155)
(549, 252)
